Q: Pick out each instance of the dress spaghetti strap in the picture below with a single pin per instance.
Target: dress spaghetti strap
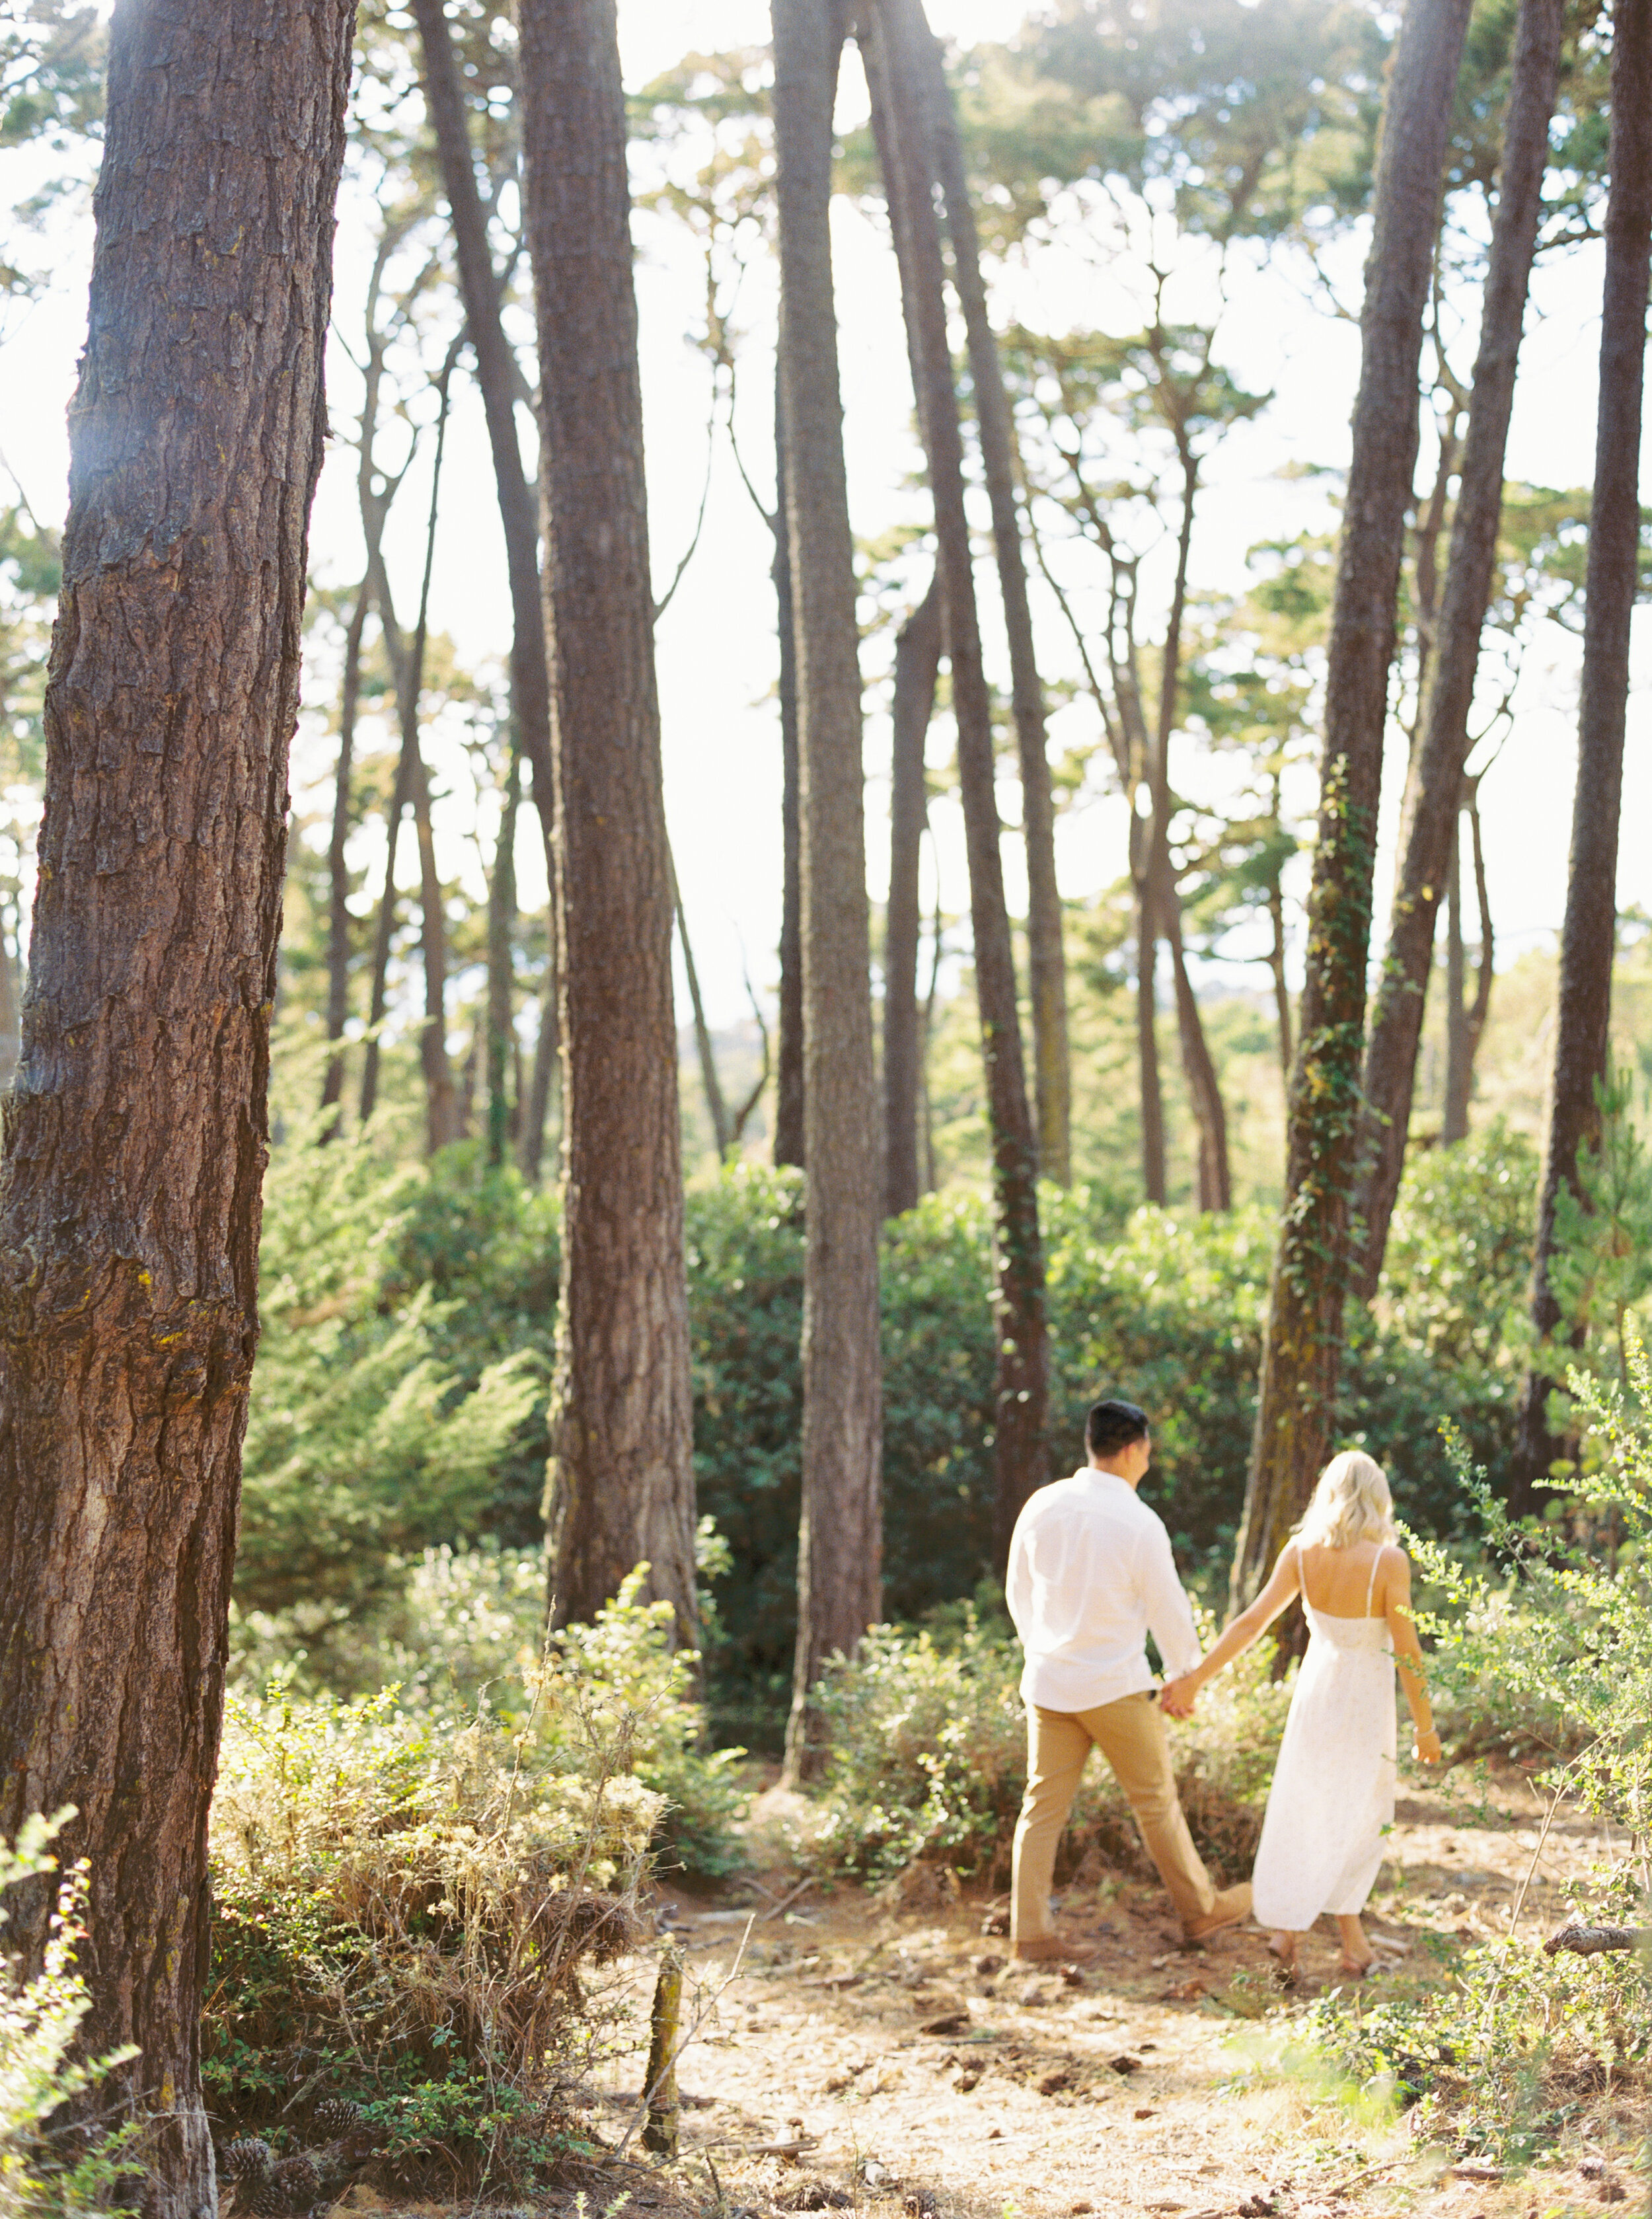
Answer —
(1370, 1584)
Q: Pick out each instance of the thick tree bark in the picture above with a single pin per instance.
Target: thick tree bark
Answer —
(1046, 967)
(1429, 818)
(1588, 935)
(1303, 1342)
(136, 1138)
(917, 663)
(621, 1486)
(501, 983)
(340, 922)
(497, 376)
(841, 1539)
(789, 1137)
(1020, 1453)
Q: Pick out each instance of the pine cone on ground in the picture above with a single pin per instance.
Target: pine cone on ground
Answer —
(334, 2116)
(291, 2186)
(245, 2159)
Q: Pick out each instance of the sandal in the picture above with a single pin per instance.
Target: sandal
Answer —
(1284, 1972)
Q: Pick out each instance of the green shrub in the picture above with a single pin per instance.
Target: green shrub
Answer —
(41, 2175)
(929, 1760)
(465, 1637)
(400, 1907)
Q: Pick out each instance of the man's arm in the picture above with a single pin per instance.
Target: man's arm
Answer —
(1169, 1614)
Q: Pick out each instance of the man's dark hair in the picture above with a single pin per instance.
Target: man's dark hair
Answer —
(1111, 1426)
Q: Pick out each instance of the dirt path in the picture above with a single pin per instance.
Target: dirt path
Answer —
(921, 2072)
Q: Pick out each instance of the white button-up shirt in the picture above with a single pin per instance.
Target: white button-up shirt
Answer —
(1090, 1571)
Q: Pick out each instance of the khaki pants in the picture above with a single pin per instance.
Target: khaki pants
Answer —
(1131, 1736)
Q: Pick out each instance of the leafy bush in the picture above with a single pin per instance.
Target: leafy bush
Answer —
(465, 1637)
(400, 1906)
(365, 1443)
(1553, 1637)
(929, 1760)
(39, 2179)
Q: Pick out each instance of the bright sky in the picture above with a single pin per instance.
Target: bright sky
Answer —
(717, 650)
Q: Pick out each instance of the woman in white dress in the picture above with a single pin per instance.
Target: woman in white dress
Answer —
(1331, 1801)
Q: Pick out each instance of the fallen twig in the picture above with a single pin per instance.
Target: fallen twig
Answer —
(786, 1901)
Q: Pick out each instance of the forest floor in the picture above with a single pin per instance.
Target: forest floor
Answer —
(874, 2050)
(921, 2071)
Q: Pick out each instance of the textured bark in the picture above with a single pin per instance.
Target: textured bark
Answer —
(340, 924)
(917, 663)
(841, 1539)
(135, 1139)
(498, 376)
(501, 997)
(1020, 1454)
(1303, 1342)
(1429, 818)
(621, 1486)
(1047, 969)
(788, 1080)
(1588, 935)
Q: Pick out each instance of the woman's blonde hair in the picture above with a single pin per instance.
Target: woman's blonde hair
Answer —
(1351, 1504)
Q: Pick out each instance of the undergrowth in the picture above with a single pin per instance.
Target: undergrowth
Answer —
(929, 1760)
(410, 1898)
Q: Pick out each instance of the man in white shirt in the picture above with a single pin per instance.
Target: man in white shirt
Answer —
(1090, 1571)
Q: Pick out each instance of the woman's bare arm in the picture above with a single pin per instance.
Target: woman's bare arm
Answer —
(1395, 1570)
(1249, 1625)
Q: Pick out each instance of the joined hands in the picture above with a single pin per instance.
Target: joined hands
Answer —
(1177, 1697)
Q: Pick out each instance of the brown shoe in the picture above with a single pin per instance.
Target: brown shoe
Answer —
(1232, 1904)
(1050, 1949)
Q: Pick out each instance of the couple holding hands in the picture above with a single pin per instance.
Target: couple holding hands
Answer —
(1092, 1573)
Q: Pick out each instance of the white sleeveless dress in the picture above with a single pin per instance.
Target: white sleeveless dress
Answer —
(1332, 1801)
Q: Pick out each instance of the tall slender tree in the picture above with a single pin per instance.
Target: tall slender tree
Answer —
(1433, 795)
(136, 1138)
(340, 932)
(839, 1547)
(901, 120)
(1303, 1342)
(917, 663)
(1588, 935)
(789, 1137)
(1047, 967)
(621, 1488)
(499, 378)
(501, 978)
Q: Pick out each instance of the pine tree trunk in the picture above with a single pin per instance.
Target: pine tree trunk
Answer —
(1429, 818)
(496, 375)
(1020, 1455)
(1046, 961)
(531, 1133)
(135, 1139)
(917, 663)
(1204, 1090)
(788, 1078)
(715, 1108)
(1303, 1342)
(340, 922)
(501, 997)
(622, 1479)
(1454, 1124)
(841, 1537)
(1588, 935)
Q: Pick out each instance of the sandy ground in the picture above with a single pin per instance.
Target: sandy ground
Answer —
(920, 2072)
